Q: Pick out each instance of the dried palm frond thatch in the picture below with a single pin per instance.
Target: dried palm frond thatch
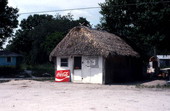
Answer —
(82, 40)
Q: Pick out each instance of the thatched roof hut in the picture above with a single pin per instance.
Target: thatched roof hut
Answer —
(82, 40)
(93, 56)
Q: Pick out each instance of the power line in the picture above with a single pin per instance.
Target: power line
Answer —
(59, 10)
(87, 8)
(143, 3)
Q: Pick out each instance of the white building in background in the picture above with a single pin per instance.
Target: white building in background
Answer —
(164, 60)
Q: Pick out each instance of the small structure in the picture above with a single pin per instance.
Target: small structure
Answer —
(92, 56)
(164, 61)
(9, 59)
(164, 65)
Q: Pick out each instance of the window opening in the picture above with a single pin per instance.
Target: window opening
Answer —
(64, 62)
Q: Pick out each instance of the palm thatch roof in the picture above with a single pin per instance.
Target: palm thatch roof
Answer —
(82, 40)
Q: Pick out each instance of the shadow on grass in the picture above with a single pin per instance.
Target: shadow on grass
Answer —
(3, 81)
(43, 79)
(129, 82)
(139, 84)
(50, 79)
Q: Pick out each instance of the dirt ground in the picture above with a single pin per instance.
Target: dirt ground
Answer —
(29, 95)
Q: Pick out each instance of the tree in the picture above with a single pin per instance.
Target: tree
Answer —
(145, 22)
(8, 21)
(51, 40)
(83, 21)
(39, 34)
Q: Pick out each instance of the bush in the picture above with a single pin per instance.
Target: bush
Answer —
(40, 70)
(8, 71)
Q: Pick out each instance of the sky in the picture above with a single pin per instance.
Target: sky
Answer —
(91, 15)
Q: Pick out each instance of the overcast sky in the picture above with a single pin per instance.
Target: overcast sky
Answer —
(91, 15)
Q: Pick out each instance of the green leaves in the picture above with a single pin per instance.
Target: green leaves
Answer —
(39, 34)
(8, 21)
(144, 22)
(51, 41)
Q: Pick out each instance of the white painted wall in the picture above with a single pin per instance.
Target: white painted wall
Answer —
(91, 72)
(77, 75)
(70, 65)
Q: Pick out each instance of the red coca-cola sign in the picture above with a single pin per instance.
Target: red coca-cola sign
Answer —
(62, 76)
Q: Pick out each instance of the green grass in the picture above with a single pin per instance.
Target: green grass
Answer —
(156, 86)
(39, 70)
(8, 71)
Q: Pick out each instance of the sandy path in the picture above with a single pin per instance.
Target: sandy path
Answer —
(28, 95)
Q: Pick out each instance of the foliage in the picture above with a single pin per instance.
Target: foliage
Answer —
(83, 21)
(8, 71)
(52, 39)
(39, 34)
(145, 22)
(40, 70)
(8, 20)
